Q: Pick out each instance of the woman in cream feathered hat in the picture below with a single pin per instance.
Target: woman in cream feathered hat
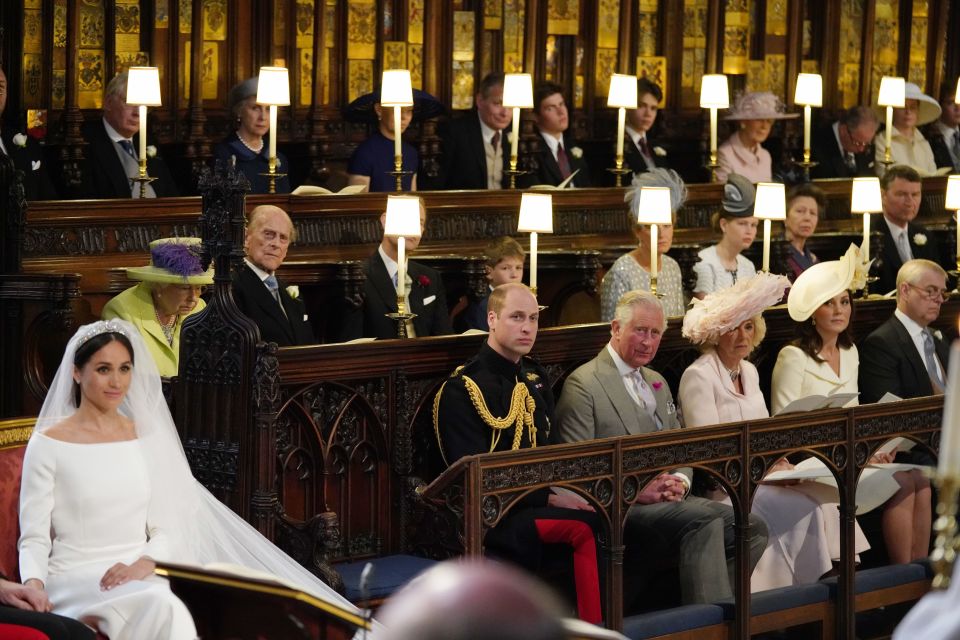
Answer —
(823, 360)
(908, 146)
(168, 292)
(723, 386)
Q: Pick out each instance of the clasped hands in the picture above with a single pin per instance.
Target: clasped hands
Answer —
(28, 597)
(666, 487)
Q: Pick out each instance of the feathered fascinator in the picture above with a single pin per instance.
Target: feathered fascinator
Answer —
(174, 261)
(657, 177)
(725, 310)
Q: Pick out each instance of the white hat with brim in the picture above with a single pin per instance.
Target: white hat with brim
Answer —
(179, 263)
(820, 283)
(759, 105)
(928, 109)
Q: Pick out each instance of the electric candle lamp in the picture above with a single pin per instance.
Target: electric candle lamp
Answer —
(892, 94)
(536, 216)
(273, 90)
(396, 91)
(714, 94)
(143, 90)
(865, 199)
(623, 96)
(517, 94)
(771, 204)
(654, 209)
(809, 93)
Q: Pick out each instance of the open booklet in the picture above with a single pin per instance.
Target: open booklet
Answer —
(563, 185)
(312, 190)
(812, 403)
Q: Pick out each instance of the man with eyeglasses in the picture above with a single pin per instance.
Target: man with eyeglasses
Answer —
(844, 149)
(903, 356)
(901, 193)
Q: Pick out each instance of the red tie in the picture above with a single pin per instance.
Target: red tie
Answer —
(495, 140)
(563, 162)
(643, 146)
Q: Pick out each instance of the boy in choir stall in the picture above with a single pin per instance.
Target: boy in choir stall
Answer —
(505, 259)
(556, 153)
(426, 297)
(640, 152)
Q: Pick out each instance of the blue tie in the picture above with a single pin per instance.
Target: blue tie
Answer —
(128, 147)
(271, 282)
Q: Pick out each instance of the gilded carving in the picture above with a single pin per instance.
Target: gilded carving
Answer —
(415, 21)
(214, 20)
(279, 24)
(917, 72)
(305, 68)
(777, 17)
(608, 24)
(694, 44)
(394, 55)
(492, 15)
(462, 84)
(210, 70)
(127, 59)
(186, 16)
(361, 32)
(360, 74)
(606, 66)
(32, 31)
(463, 35)
(60, 24)
(90, 78)
(655, 69)
(32, 78)
(776, 72)
(91, 24)
(563, 17)
(304, 25)
(161, 14)
(851, 32)
(513, 30)
(647, 34)
(59, 88)
(415, 64)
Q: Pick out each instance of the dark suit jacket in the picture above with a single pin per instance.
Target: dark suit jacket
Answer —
(103, 173)
(380, 298)
(634, 160)
(255, 301)
(463, 164)
(29, 160)
(941, 154)
(889, 361)
(548, 171)
(826, 152)
(890, 258)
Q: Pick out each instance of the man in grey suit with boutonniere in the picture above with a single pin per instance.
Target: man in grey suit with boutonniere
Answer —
(615, 394)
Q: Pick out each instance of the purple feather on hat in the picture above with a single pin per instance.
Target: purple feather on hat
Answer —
(179, 259)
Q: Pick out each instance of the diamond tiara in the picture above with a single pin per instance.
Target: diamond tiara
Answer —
(94, 329)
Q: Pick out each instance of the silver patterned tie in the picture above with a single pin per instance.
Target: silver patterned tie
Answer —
(930, 358)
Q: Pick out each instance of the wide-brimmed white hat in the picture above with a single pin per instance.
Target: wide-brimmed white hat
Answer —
(174, 261)
(759, 105)
(928, 109)
(823, 281)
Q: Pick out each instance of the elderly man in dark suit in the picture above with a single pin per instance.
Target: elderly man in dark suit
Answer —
(425, 295)
(258, 293)
(474, 155)
(903, 356)
(903, 239)
(615, 394)
(844, 149)
(26, 154)
(111, 160)
(557, 155)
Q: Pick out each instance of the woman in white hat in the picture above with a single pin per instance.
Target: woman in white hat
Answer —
(908, 146)
(823, 360)
(722, 386)
(632, 270)
(169, 291)
(742, 152)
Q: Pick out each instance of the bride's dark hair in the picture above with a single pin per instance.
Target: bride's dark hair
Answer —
(86, 351)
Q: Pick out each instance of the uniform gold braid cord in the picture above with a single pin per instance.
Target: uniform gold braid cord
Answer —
(520, 414)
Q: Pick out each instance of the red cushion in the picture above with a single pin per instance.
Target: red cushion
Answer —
(11, 464)
(16, 632)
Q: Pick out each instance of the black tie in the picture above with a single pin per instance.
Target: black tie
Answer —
(128, 147)
(563, 162)
(495, 140)
(956, 149)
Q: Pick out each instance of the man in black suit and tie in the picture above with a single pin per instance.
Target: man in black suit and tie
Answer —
(26, 154)
(473, 146)
(845, 148)
(557, 156)
(944, 134)
(640, 154)
(425, 294)
(110, 157)
(903, 356)
(256, 290)
(903, 239)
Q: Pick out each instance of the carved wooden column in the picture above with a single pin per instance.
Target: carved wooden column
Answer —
(319, 121)
(197, 149)
(72, 147)
(628, 47)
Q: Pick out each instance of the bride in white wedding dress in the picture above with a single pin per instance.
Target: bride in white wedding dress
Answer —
(106, 491)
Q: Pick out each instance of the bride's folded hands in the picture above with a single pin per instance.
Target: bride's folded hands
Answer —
(122, 573)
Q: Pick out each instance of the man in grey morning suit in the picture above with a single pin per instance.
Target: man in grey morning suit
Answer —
(615, 394)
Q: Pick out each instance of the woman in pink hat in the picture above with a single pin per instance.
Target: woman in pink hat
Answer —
(742, 152)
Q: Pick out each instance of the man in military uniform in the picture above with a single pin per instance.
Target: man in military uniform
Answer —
(499, 401)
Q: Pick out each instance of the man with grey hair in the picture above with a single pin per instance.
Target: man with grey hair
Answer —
(111, 159)
(615, 394)
(903, 356)
(844, 149)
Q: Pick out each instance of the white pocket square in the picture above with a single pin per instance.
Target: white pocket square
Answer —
(306, 318)
(428, 300)
(35, 164)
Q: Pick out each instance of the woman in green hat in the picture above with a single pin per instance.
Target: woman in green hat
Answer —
(169, 291)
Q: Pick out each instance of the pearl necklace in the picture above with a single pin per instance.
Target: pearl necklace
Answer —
(252, 150)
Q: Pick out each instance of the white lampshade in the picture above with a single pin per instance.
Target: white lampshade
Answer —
(771, 202)
(714, 91)
(518, 90)
(809, 90)
(953, 193)
(273, 86)
(403, 217)
(623, 91)
(892, 92)
(143, 86)
(396, 89)
(536, 213)
(865, 197)
(654, 206)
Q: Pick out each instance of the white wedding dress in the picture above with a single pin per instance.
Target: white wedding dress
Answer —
(83, 508)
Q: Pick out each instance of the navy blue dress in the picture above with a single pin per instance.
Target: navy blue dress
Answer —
(374, 158)
(233, 151)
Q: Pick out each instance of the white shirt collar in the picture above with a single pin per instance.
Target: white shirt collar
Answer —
(552, 142)
(635, 135)
(944, 130)
(112, 133)
(894, 229)
(487, 132)
(622, 367)
(912, 327)
(836, 134)
(388, 262)
(263, 275)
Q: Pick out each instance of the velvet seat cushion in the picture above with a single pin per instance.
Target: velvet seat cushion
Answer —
(11, 465)
(675, 620)
(389, 574)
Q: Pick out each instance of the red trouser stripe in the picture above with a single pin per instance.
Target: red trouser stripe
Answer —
(16, 632)
(578, 535)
